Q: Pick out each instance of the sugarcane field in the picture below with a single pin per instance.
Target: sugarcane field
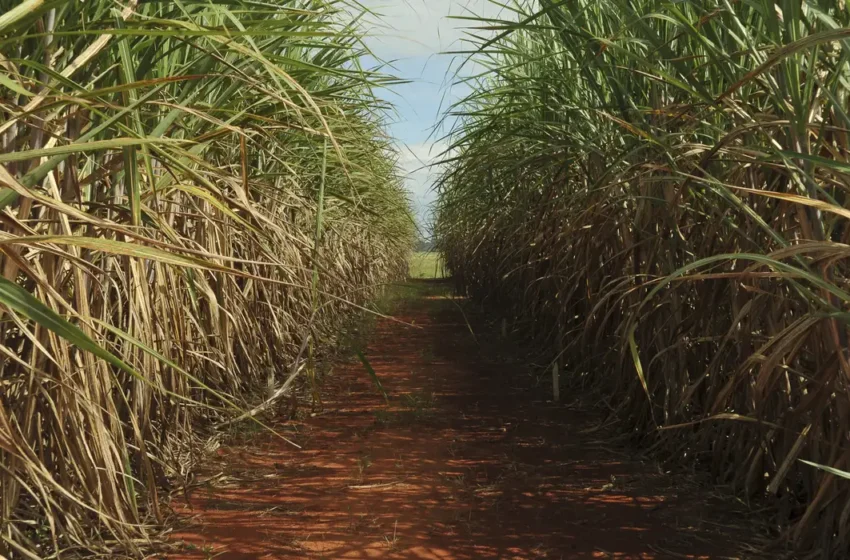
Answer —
(424, 279)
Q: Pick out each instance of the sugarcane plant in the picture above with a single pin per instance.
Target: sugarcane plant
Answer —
(159, 164)
(660, 189)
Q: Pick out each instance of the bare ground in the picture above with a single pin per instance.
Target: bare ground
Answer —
(470, 461)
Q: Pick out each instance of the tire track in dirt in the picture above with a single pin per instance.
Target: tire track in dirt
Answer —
(470, 461)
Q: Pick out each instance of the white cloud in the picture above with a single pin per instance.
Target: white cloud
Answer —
(409, 28)
(418, 161)
(415, 156)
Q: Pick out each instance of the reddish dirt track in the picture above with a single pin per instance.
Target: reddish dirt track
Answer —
(473, 463)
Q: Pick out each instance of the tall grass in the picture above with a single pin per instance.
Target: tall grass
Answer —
(162, 165)
(661, 189)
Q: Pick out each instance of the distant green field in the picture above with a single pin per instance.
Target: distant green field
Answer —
(426, 265)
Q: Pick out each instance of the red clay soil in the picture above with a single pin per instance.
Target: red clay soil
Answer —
(469, 461)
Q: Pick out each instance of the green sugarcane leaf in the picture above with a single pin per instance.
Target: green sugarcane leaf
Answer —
(373, 376)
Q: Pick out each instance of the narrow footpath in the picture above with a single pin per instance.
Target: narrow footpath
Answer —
(470, 460)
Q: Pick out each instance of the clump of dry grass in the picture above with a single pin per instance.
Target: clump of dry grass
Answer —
(162, 169)
(661, 190)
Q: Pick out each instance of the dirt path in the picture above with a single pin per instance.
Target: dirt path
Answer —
(470, 461)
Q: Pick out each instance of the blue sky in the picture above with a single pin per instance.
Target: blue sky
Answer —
(412, 35)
